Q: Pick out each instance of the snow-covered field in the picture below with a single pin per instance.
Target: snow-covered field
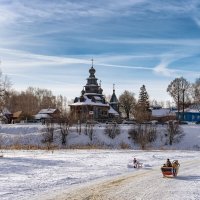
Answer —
(45, 174)
(96, 174)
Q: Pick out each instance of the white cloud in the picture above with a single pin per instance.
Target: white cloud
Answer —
(163, 70)
(181, 42)
(123, 66)
(7, 16)
(22, 11)
(168, 59)
(20, 59)
(15, 59)
(29, 11)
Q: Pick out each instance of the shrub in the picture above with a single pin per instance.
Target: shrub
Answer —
(112, 130)
(174, 133)
(143, 134)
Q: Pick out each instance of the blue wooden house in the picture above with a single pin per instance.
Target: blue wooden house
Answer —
(190, 115)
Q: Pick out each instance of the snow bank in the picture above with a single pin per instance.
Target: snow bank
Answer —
(33, 134)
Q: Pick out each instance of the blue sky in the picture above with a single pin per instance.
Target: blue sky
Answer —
(50, 44)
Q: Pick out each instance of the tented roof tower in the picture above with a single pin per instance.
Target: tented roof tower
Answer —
(114, 101)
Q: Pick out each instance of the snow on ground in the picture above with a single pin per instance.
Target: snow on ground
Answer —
(33, 134)
(141, 185)
(42, 174)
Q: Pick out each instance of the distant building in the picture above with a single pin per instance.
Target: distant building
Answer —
(16, 116)
(92, 104)
(162, 114)
(191, 114)
(5, 116)
(45, 114)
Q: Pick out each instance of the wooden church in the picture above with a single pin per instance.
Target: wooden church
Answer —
(92, 105)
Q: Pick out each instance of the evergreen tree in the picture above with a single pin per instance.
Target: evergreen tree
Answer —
(143, 100)
(142, 111)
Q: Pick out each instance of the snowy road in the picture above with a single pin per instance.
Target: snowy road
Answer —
(96, 174)
(143, 185)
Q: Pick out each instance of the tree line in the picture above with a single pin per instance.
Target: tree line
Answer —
(182, 92)
(33, 99)
(30, 101)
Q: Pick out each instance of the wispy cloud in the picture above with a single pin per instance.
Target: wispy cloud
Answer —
(197, 20)
(7, 16)
(21, 59)
(61, 10)
(51, 42)
(162, 69)
(181, 42)
(22, 11)
(15, 59)
(123, 66)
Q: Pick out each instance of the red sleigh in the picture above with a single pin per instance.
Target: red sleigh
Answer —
(170, 171)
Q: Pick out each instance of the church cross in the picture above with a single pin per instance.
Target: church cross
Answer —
(92, 61)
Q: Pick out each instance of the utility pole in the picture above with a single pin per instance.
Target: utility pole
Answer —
(183, 103)
(178, 102)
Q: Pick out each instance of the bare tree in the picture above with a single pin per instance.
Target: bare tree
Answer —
(127, 102)
(174, 133)
(89, 129)
(169, 104)
(34, 99)
(196, 93)
(112, 130)
(64, 124)
(48, 135)
(1, 142)
(143, 134)
(179, 89)
(5, 85)
(155, 103)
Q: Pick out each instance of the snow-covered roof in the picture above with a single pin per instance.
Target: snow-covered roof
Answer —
(190, 110)
(97, 98)
(93, 94)
(42, 116)
(5, 111)
(112, 111)
(48, 111)
(161, 112)
(89, 102)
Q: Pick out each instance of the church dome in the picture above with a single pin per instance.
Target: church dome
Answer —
(92, 71)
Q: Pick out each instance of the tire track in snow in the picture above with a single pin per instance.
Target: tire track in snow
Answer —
(101, 191)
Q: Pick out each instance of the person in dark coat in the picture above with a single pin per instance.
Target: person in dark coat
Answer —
(168, 163)
(135, 163)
